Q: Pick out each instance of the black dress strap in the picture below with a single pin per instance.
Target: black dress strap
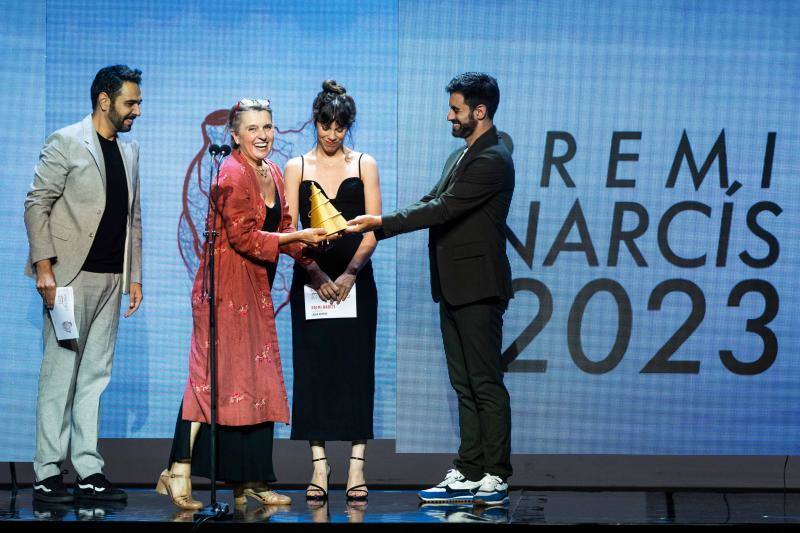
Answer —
(302, 167)
(359, 164)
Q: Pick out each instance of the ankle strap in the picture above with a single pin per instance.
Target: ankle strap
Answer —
(320, 459)
(358, 458)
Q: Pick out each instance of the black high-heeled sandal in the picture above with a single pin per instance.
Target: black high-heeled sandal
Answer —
(324, 495)
(351, 497)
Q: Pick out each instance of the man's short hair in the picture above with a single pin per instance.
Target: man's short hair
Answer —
(109, 80)
(477, 88)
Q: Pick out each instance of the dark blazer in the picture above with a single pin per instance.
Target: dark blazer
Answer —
(466, 214)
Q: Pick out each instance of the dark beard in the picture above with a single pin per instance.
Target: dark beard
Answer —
(118, 121)
(466, 129)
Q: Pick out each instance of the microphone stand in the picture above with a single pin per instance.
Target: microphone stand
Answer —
(215, 510)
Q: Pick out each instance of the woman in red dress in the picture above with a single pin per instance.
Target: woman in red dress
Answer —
(254, 227)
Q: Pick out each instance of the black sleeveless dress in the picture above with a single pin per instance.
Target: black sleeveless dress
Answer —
(334, 359)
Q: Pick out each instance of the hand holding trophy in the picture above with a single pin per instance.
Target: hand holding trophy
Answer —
(325, 215)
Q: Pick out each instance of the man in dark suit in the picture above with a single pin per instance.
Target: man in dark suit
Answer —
(471, 279)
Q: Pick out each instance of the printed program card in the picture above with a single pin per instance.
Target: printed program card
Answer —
(316, 308)
(63, 314)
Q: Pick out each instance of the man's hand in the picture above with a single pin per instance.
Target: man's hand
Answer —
(134, 299)
(46, 282)
(364, 223)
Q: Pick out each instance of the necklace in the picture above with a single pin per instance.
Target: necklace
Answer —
(263, 171)
(266, 182)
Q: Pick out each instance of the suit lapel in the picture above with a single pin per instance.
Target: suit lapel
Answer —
(123, 152)
(93, 145)
(454, 167)
(481, 143)
(449, 167)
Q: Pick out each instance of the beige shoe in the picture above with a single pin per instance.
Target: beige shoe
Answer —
(181, 501)
(265, 497)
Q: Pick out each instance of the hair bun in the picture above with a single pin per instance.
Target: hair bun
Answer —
(330, 86)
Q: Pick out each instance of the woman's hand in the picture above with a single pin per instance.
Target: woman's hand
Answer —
(326, 289)
(312, 236)
(344, 283)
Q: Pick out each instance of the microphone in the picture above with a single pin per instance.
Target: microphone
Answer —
(215, 149)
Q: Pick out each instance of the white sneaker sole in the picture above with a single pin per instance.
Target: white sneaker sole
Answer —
(455, 499)
(490, 503)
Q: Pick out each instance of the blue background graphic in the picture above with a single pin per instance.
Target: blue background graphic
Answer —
(590, 69)
(195, 60)
(586, 68)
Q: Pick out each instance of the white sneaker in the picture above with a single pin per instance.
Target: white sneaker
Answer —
(492, 491)
(454, 488)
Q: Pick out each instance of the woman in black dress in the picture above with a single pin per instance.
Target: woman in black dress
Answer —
(334, 359)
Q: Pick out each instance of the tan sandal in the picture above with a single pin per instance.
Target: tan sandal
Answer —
(264, 497)
(181, 501)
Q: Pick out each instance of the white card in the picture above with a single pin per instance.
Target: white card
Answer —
(317, 308)
(63, 314)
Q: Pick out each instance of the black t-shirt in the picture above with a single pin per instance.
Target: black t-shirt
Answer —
(108, 249)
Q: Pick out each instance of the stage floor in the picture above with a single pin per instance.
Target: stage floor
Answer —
(402, 507)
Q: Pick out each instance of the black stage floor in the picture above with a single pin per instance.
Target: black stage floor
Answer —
(401, 508)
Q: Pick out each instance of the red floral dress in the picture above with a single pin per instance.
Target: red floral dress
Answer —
(249, 376)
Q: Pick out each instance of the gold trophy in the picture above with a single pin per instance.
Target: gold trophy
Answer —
(324, 214)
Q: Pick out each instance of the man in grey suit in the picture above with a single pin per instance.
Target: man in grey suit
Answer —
(84, 228)
(466, 215)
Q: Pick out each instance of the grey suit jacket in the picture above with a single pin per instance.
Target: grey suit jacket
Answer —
(67, 198)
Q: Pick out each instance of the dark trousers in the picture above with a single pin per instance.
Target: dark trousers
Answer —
(473, 337)
(244, 453)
